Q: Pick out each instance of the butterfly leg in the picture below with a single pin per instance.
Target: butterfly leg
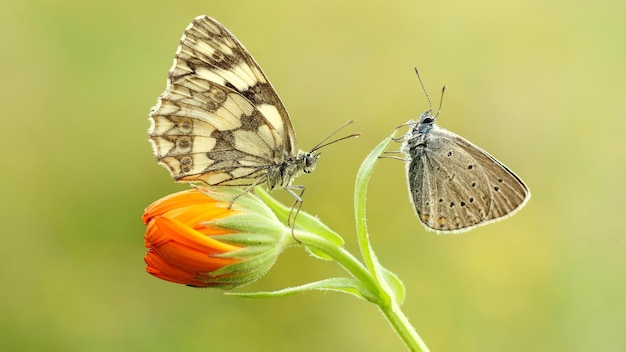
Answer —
(392, 156)
(247, 190)
(297, 204)
(389, 154)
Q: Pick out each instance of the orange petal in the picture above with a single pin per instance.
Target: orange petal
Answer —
(158, 267)
(175, 201)
(174, 230)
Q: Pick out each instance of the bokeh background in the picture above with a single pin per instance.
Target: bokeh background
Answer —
(539, 84)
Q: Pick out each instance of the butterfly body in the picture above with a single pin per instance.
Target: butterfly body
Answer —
(282, 174)
(453, 184)
(219, 120)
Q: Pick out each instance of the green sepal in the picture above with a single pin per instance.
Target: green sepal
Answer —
(304, 221)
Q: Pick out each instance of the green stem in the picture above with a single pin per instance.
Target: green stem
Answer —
(343, 258)
(403, 328)
(390, 309)
(387, 305)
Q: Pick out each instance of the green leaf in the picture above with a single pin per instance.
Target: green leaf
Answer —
(363, 176)
(339, 284)
(395, 285)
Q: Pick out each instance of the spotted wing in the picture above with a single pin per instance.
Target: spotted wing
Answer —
(219, 120)
(456, 186)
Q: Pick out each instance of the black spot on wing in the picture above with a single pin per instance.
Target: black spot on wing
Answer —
(252, 122)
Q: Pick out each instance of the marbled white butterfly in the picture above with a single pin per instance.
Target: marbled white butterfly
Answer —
(220, 121)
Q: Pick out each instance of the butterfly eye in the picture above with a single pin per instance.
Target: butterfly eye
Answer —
(309, 162)
(428, 120)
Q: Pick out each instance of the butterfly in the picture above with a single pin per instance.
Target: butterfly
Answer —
(453, 184)
(220, 122)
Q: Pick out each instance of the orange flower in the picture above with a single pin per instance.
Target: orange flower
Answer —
(193, 239)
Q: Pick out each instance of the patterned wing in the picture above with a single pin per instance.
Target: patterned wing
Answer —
(219, 120)
(456, 186)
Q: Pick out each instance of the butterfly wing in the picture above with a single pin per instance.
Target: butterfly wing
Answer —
(219, 120)
(456, 186)
(508, 193)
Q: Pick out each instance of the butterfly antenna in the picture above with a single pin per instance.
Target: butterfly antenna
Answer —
(322, 144)
(443, 90)
(424, 88)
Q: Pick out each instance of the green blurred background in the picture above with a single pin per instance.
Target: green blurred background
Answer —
(538, 84)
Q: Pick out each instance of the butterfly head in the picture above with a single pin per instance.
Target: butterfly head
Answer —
(309, 161)
(423, 125)
(426, 118)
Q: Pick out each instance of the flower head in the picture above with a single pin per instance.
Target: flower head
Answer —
(198, 238)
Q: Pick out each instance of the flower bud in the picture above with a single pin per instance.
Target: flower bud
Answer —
(199, 238)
